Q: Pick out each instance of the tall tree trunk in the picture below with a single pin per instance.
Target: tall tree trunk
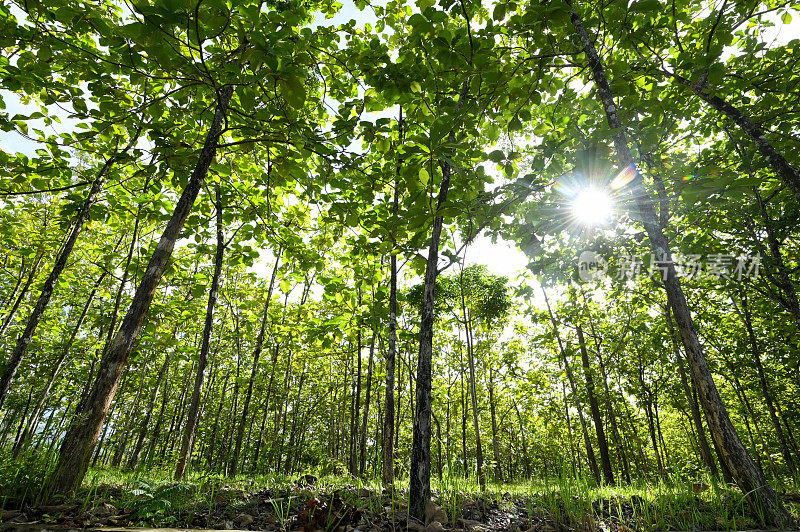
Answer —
(420, 472)
(788, 298)
(574, 388)
(234, 464)
(464, 414)
(202, 361)
(612, 417)
(354, 417)
(473, 393)
(268, 393)
(133, 413)
(13, 294)
(498, 470)
(88, 422)
(23, 292)
(702, 442)
(213, 440)
(602, 442)
(99, 445)
(33, 420)
(363, 439)
(387, 463)
(21, 347)
(569, 431)
(647, 395)
(133, 461)
(291, 451)
(526, 457)
(744, 469)
(767, 393)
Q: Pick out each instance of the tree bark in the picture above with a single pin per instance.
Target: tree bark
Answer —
(472, 387)
(387, 463)
(498, 470)
(122, 443)
(788, 297)
(133, 461)
(21, 296)
(86, 426)
(420, 473)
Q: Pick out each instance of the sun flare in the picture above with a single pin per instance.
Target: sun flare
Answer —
(592, 206)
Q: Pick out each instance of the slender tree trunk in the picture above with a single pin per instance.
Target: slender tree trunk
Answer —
(602, 443)
(621, 455)
(213, 439)
(664, 454)
(363, 460)
(744, 469)
(438, 445)
(420, 472)
(387, 463)
(354, 417)
(12, 295)
(291, 451)
(569, 431)
(33, 420)
(21, 296)
(175, 433)
(526, 457)
(132, 414)
(767, 393)
(702, 442)
(498, 470)
(234, 464)
(789, 297)
(87, 424)
(202, 361)
(574, 388)
(473, 394)
(21, 347)
(464, 414)
(24, 415)
(45, 434)
(133, 461)
(651, 425)
(268, 393)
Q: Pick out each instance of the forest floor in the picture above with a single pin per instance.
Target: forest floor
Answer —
(340, 504)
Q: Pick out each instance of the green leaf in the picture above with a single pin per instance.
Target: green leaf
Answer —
(424, 177)
(293, 91)
(499, 12)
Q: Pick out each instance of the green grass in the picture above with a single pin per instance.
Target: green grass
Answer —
(666, 504)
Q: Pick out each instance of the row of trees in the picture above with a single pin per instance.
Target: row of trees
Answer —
(208, 136)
